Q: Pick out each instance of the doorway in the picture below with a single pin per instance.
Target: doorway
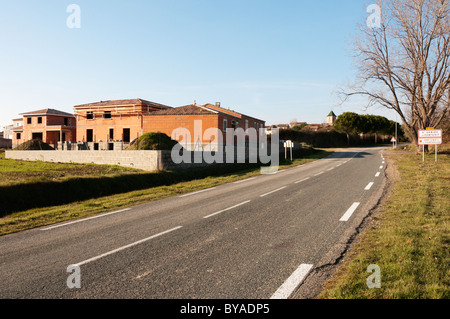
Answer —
(89, 135)
(126, 135)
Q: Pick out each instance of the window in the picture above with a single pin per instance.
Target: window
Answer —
(18, 136)
(66, 121)
(39, 120)
(28, 120)
(90, 115)
(111, 134)
(246, 125)
(225, 125)
(107, 115)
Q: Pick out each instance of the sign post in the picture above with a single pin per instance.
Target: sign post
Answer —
(393, 141)
(430, 137)
(287, 144)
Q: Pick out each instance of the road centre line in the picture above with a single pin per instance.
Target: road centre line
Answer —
(319, 174)
(224, 210)
(292, 282)
(377, 174)
(125, 247)
(244, 180)
(276, 190)
(305, 179)
(349, 212)
(381, 167)
(85, 219)
(201, 191)
(368, 186)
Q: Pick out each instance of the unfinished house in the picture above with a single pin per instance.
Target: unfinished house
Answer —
(114, 120)
(211, 116)
(48, 125)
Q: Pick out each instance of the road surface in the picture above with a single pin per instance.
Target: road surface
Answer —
(258, 238)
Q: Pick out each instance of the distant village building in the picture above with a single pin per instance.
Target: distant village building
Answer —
(48, 125)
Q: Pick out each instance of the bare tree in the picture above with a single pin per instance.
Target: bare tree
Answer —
(404, 64)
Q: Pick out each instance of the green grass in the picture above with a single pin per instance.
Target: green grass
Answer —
(15, 172)
(410, 239)
(211, 176)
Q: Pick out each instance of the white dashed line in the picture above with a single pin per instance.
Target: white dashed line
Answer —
(125, 247)
(85, 219)
(377, 174)
(349, 212)
(305, 179)
(245, 180)
(224, 210)
(276, 190)
(319, 174)
(292, 282)
(203, 190)
(368, 186)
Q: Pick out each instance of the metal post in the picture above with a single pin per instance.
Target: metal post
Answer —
(435, 152)
(423, 153)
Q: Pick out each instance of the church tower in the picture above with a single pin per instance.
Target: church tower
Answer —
(331, 118)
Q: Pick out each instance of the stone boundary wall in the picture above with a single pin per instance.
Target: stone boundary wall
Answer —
(144, 160)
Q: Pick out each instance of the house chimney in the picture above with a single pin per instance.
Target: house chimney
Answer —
(217, 104)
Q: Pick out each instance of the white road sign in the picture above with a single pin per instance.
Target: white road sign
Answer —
(430, 133)
(430, 137)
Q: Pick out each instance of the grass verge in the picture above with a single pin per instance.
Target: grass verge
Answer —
(409, 240)
(16, 172)
(196, 179)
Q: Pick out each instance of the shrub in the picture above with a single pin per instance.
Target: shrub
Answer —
(34, 145)
(153, 141)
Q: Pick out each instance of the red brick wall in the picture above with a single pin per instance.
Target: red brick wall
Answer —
(168, 123)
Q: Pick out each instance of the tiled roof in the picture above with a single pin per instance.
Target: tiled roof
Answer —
(123, 103)
(183, 110)
(221, 109)
(48, 112)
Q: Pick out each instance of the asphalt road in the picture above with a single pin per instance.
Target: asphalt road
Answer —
(254, 239)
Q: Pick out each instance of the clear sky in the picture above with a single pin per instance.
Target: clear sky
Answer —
(274, 60)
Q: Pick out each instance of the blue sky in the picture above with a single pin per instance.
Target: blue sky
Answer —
(275, 60)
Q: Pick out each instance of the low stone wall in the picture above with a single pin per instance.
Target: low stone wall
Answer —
(144, 160)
